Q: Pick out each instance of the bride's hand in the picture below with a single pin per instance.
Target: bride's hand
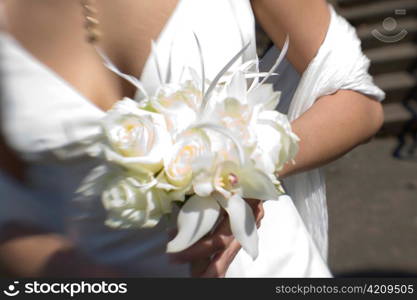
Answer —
(212, 255)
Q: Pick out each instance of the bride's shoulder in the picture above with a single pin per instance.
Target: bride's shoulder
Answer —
(304, 21)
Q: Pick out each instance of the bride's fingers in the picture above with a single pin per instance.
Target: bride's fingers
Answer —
(221, 262)
(201, 250)
(207, 246)
(260, 214)
(257, 207)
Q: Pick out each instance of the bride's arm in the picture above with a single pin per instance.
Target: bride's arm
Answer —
(337, 123)
(28, 251)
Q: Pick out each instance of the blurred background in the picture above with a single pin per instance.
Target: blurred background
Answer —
(372, 191)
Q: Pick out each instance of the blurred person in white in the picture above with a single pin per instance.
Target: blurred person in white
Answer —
(52, 79)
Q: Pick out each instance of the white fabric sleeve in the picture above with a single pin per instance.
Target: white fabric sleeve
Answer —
(339, 65)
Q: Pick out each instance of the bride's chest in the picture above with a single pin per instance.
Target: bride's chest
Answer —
(41, 111)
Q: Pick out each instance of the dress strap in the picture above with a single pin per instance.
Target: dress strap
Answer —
(245, 20)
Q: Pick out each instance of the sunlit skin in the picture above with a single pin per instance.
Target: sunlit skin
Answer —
(52, 31)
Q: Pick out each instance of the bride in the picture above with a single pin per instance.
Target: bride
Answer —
(54, 87)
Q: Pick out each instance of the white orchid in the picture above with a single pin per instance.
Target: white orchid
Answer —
(225, 187)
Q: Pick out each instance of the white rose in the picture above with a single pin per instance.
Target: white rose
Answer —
(276, 143)
(137, 138)
(130, 204)
(236, 117)
(180, 105)
(190, 147)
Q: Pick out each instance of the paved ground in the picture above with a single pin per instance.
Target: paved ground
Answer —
(372, 200)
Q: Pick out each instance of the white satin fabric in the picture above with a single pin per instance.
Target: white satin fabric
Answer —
(43, 119)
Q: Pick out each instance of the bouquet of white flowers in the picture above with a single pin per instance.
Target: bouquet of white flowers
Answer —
(205, 148)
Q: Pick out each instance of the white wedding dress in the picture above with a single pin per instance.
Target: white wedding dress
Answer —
(44, 118)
